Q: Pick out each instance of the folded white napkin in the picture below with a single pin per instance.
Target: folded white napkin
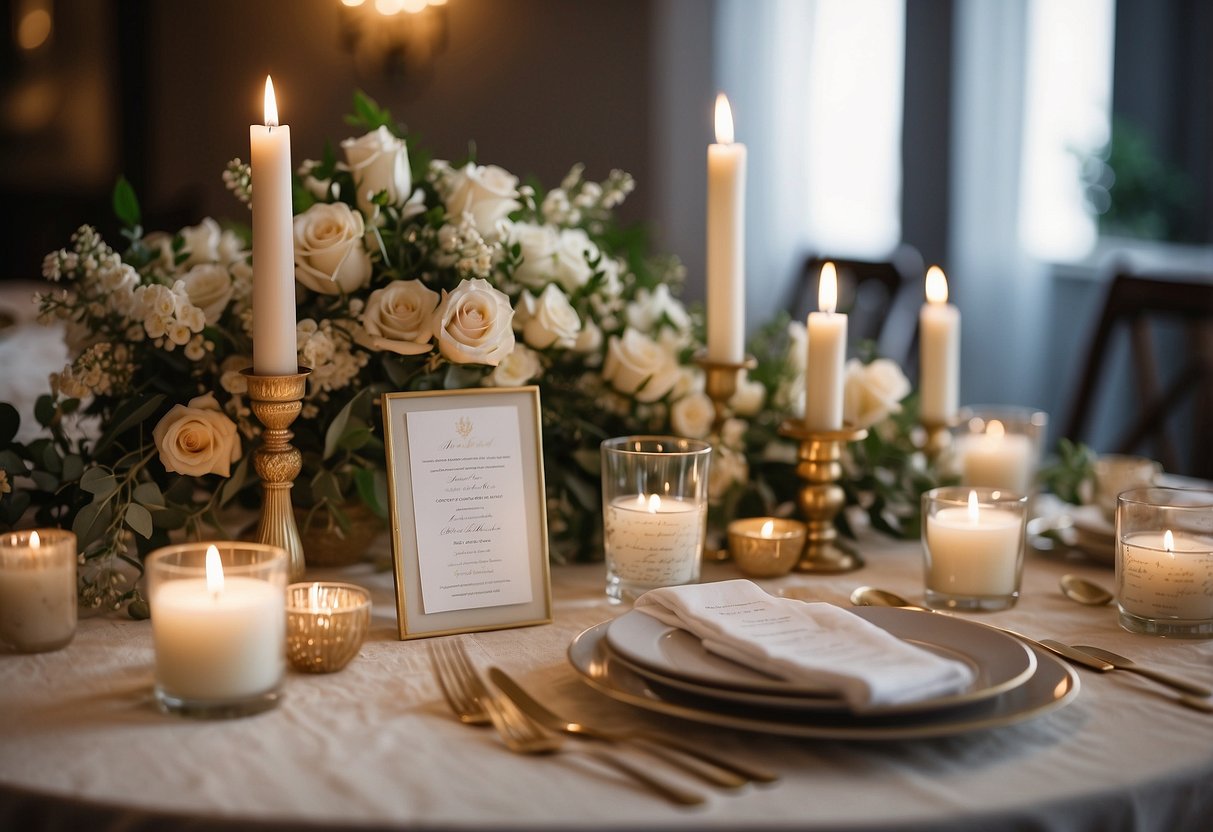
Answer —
(816, 644)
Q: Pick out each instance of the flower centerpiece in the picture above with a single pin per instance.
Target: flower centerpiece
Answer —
(412, 274)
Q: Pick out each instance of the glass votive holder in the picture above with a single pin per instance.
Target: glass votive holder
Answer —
(973, 547)
(218, 627)
(999, 446)
(1164, 561)
(37, 589)
(325, 625)
(766, 547)
(655, 511)
(1115, 473)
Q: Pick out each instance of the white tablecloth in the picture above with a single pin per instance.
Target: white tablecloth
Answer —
(375, 745)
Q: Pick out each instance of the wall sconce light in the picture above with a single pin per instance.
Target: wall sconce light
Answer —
(394, 37)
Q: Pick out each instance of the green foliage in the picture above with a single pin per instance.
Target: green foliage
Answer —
(1073, 467)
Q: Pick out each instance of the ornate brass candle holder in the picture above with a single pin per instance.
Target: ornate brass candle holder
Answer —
(939, 438)
(276, 401)
(720, 383)
(821, 497)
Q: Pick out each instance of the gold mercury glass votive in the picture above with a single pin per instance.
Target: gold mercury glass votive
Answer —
(325, 625)
(766, 547)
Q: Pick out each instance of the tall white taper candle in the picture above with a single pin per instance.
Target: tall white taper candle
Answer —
(726, 240)
(826, 358)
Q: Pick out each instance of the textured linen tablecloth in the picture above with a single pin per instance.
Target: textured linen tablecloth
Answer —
(374, 745)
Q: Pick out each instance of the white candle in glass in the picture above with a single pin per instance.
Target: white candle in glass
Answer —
(974, 551)
(826, 358)
(939, 351)
(726, 240)
(997, 459)
(37, 589)
(653, 540)
(218, 638)
(1166, 575)
(274, 346)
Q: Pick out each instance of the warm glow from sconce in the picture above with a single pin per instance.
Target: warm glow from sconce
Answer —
(414, 6)
(353, 4)
(827, 289)
(387, 8)
(724, 120)
(937, 285)
(34, 29)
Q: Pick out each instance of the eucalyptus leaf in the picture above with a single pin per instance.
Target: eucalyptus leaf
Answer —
(45, 480)
(91, 522)
(10, 423)
(148, 494)
(99, 482)
(127, 416)
(139, 519)
(12, 463)
(44, 410)
(73, 467)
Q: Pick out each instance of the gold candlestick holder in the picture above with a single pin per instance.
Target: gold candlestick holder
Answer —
(276, 401)
(720, 383)
(821, 497)
(939, 438)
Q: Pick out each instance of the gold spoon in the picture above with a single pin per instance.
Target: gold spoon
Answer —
(1084, 591)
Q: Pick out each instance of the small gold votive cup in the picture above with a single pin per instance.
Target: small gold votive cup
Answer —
(766, 547)
(325, 625)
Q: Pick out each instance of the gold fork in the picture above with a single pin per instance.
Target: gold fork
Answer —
(471, 701)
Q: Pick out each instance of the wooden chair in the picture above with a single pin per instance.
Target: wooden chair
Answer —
(881, 298)
(1143, 305)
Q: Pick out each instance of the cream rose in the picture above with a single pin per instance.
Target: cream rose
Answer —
(400, 318)
(197, 439)
(209, 287)
(378, 162)
(750, 396)
(486, 192)
(517, 368)
(639, 366)
(473, 324)
(548, 320)
(329, 255)
(653, 308)
(872, 392)
(692, 416)
(552, 256)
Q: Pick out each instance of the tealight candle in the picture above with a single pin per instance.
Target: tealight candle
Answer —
(973, 547)
(37, 589)
(766, 547)
(326, 623)
(1000, 452)
(218, 626)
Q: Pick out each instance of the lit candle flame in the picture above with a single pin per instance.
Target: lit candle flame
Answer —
(654, 504)
(1168, 542)
(768, 528)
(34, 541)
(271, 103)
(972, 506)
(827, 289)
(214, 571)
(995, 429)
(724, 120)
(937, 285)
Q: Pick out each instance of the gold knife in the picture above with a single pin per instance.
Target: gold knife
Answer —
(731, 773)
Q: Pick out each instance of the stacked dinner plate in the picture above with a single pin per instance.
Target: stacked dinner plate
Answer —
(639, 660)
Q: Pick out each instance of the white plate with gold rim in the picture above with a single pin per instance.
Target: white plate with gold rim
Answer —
(1052, 685)
(674, 658)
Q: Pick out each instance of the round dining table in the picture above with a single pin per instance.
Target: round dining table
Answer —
(374, 746)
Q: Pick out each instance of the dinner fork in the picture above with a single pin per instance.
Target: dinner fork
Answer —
(472, 703)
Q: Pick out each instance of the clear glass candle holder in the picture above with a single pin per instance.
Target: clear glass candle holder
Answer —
(999, 446)
(325, 625)
(218, 627)
(655, 511)
(37, 590)
(973, 547)
(1164, 561)
(766, 547)
(1115, 473)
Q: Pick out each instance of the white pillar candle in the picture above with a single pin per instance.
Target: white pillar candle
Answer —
(939, 351)
(274, 347)
(826, 358)
(37, 589)
(218, 639)
(997, 459)
(974, 551)
(726, 241)
(1166, 576)
(653, 540)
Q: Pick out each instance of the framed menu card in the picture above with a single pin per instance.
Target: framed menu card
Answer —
(469, 515)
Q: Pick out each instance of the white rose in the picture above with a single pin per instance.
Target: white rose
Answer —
(329, 255)
(749, 397)
(589, 339)
(550, 255)
(486, 192)
(378, 162)
(400, 318)
(639, 366)
(548, 320)
(728, 467)
(321, 189)
(473, 324)
(692, 416)
(798, 344)
(872, 392)
(201, 242)
(517, 368)
(197, 439)
(572, 267)
(209, 287)
(653, 308)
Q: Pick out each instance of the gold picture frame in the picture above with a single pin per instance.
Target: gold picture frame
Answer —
(468, 510)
